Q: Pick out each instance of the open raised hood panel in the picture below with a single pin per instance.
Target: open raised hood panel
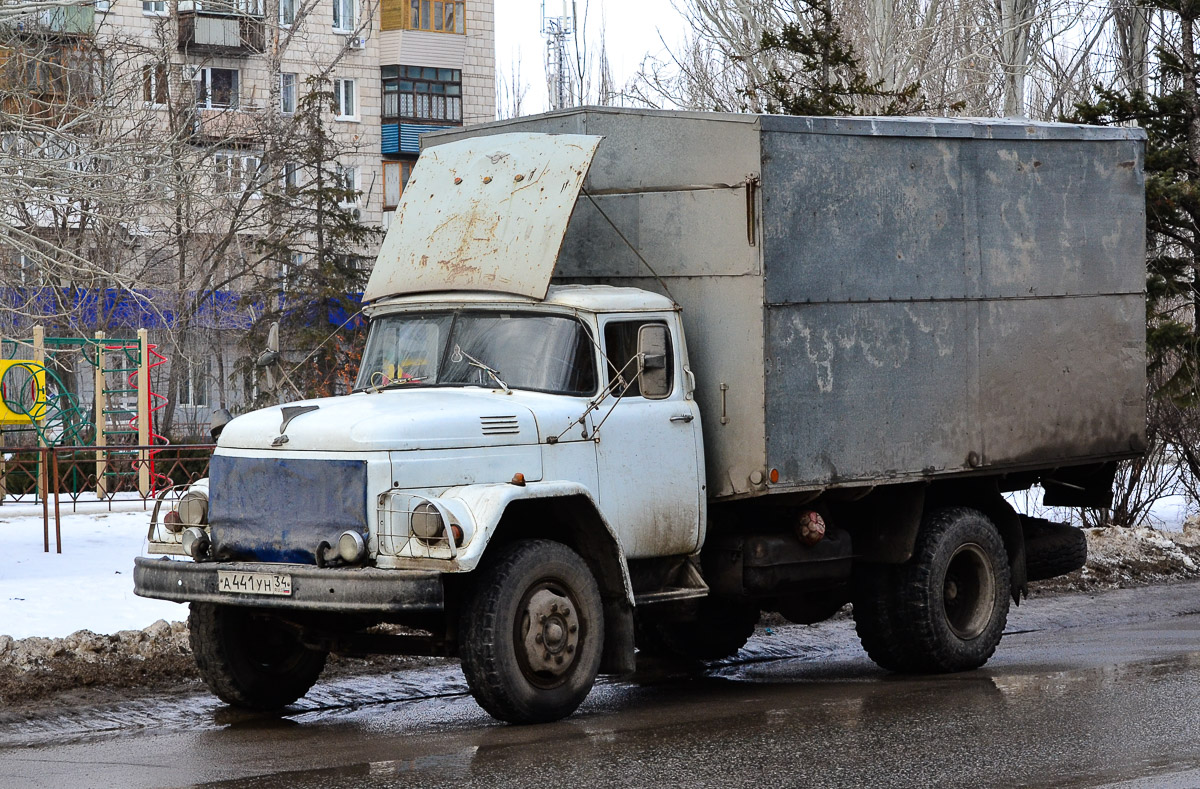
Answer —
(486, 213)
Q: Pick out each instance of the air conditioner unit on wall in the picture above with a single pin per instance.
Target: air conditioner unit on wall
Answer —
(358, 42)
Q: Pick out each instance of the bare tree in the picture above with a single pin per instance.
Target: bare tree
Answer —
(511, 90)
(978, 57)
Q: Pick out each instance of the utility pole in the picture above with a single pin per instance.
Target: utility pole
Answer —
(557, 30)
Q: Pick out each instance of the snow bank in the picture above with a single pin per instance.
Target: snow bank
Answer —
(89, 586)
(1120, 558)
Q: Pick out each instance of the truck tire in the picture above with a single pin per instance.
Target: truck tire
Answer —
(721, 629)
(532, 633)
(249, 659)
(952, 597)
(875, 620)
(1052, 549)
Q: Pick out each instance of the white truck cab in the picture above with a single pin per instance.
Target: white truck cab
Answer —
(473, 410)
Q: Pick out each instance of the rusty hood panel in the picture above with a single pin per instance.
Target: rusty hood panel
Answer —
(484, 214)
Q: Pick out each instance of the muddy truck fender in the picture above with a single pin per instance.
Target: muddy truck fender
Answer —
(564, 512)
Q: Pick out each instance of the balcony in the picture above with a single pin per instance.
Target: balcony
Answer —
(220, 29)
(72, 20)
(228, 125)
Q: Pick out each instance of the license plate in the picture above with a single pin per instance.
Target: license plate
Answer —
(254, 583)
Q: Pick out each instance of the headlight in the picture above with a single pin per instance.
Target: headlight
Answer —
(426, 522)
(193, 508)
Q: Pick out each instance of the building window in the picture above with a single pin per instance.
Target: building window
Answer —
(154, 83)
(236, 173)
(291, 177)
(231, 7)
(345, 95)
(31, 273)
(287, 12)
(217, 87)
(343, 15)
(287, 93)
(436, 16)
(421, 93)
(288, 269)
(347, 182)
(395, 178)
(193, 387)
(154, 7)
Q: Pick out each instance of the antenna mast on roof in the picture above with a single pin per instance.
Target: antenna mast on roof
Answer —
(559, 84)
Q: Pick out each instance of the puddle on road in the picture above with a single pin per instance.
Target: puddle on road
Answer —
(199, 712)
(783, 655)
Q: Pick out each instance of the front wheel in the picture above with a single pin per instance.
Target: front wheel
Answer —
(532, 633)
(249, 659)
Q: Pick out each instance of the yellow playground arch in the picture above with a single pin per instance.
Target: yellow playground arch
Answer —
(22, 391)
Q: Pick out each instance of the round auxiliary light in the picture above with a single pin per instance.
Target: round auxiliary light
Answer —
(172, 522)
(351, 547)
(193, 508)
(426, 522)
(195, 542)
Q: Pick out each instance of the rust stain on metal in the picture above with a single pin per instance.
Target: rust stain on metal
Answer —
(478, 236)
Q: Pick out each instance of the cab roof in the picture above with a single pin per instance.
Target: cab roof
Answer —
(588, 298)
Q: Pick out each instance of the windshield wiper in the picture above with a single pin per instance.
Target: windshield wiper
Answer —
(394, 384)
(457, 358)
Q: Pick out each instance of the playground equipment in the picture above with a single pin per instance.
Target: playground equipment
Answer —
(23, 385)
(35, 399)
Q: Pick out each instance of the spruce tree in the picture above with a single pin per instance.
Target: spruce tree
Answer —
(825, 76)
(313, 263)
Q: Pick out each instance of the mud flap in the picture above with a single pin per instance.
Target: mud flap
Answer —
(618, 657)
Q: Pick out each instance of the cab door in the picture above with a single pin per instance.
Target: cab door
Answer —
(649, 455)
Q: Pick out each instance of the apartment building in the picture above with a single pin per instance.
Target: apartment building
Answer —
(236, 71)
(437, 68)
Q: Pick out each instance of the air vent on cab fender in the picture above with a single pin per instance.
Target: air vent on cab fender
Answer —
(499, 425)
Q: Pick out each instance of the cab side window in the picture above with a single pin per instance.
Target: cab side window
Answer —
(621, 347)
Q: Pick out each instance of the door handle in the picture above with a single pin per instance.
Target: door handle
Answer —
(682, 418)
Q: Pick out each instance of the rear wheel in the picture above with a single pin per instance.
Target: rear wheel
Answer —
(532, 633)
(954, 592)
(946, 608)
(249, 659)
(875, 619)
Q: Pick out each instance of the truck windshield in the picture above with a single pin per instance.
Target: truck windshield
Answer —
(544, 353)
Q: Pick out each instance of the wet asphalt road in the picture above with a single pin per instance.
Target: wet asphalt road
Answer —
(1101, 691)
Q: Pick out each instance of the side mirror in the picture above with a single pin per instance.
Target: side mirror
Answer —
(217, 422)
(654, 371)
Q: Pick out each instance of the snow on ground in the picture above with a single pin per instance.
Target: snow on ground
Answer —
(89, 586)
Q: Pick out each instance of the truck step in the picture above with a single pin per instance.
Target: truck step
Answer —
(669, 595)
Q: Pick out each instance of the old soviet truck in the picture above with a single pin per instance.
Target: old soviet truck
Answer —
(633, 377)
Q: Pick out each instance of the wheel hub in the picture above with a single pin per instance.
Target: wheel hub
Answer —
(968, 592)
(551, 633)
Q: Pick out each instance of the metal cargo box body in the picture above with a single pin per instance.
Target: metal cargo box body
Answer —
(872, 300)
